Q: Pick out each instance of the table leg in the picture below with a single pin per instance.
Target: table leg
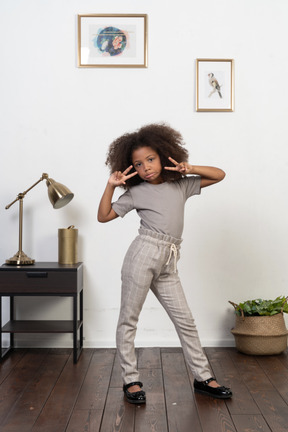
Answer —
(75, 328)
(11, 319)
(77, 348)
(1, 325)
(81, 320)
(4, 351)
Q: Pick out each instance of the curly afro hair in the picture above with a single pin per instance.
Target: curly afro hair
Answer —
(167, 142)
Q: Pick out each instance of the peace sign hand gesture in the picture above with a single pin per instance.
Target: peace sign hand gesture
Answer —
(182, 167)
(119, 178)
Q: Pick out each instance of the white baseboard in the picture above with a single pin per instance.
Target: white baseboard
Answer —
(47, 341)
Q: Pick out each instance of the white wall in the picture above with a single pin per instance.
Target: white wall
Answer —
(60, 119)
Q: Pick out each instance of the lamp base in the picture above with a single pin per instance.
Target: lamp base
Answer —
(20, 258)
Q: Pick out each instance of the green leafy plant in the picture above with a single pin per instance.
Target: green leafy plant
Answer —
(261, 307)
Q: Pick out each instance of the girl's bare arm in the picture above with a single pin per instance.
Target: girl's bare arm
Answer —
(105, 210)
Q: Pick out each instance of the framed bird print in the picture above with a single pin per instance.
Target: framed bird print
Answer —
(112, 40)
(214, 85)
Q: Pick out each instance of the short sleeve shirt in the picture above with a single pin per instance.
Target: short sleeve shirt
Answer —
(160, 207)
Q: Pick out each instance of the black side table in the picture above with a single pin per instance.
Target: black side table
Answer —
(43, 279)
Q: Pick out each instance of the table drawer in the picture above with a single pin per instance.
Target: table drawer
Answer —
(39, 281)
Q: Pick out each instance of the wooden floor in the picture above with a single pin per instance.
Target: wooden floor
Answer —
(42, 390)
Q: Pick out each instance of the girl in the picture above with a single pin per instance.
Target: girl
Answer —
(151, 164)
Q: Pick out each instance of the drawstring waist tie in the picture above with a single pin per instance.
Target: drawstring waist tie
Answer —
(174, 251)
(172, 242)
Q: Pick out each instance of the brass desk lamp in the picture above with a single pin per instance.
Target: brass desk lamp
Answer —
(59, 195)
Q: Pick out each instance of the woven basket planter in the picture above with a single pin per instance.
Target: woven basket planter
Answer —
(260, 335)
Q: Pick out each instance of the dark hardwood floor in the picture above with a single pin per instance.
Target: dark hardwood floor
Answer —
(42, 390)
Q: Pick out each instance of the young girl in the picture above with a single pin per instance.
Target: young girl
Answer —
(151, 164)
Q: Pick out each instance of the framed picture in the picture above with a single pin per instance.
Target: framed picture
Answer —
(112, 40)
(214, 85)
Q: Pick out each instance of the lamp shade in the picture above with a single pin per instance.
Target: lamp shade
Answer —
(59, 195)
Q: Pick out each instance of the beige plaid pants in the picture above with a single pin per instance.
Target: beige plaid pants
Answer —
(150, 263)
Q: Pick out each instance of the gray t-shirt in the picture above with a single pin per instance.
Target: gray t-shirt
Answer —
(160, 207)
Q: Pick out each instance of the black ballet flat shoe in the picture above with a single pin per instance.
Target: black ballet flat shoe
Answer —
(216, 392)
(138, 397)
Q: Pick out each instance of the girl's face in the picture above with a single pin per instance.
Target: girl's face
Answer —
(146, 162)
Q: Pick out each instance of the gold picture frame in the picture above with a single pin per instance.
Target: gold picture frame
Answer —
(215, 85)
(112, 40)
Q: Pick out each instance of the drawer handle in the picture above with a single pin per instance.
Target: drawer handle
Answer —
(37, 274)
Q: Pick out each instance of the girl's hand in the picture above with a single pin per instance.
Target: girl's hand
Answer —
(182, 167)
(118, 178)
(209, 175)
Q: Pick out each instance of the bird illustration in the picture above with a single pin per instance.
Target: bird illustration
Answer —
(214, 83)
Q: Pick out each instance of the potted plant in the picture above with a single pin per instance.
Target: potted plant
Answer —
(260, 326)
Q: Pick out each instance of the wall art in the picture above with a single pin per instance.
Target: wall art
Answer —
(214, 85)
(112, 40)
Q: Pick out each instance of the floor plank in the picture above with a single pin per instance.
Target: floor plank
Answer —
(57, 411)
(119, 415)
(277, 373)
(227, 374)
(95, 386)
(149, 358)
(181, 408)
(85, 421)
(251, 423)
(152, 416)
(29, 405)
(10, 363)
(273, 408)
(16, 383)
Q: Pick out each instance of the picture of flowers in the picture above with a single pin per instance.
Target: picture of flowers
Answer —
(112, 40)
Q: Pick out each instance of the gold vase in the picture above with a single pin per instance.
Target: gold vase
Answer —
(68, 245)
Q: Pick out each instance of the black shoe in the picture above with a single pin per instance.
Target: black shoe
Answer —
(217, 392)
(136, 397)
